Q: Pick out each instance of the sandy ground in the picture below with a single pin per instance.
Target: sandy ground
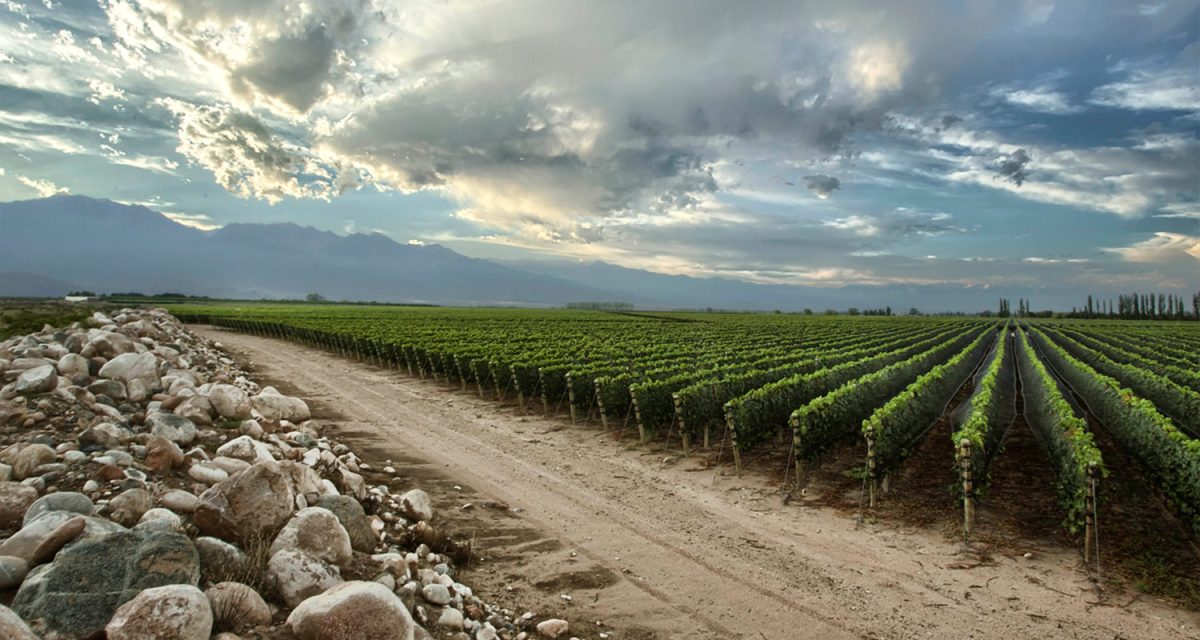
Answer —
(650, 545)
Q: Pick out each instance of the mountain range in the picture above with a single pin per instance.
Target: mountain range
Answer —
(52, 245)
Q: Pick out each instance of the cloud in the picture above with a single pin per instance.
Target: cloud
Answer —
(895, 226)
(248, 159)
(552, 125)
(102, 91)
(285, 54)
(1151, 86)
(1155, 167)
(1190, 210)
(822, 185)
(1012, 167)
(1162, 247)
(194, 220)
(44, 188)
(1037, 260)
(1041, 99)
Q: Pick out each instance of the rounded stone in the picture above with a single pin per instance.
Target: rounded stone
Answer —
(350, 611)
(171, 612)
(69, 501)
(236, 605)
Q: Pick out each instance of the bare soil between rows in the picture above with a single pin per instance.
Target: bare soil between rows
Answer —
(649, 544)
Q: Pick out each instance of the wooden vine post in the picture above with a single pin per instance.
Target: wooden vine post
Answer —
(737, 456)
(968, 484)
(1089, 516)
(600, 404)
(871, 469)
(796, 451)
(571, 397)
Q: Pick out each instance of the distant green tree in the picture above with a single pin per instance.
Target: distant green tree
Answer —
(314, 297)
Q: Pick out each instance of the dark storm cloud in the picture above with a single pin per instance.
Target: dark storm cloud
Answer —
(822, 185)
(1012, 167)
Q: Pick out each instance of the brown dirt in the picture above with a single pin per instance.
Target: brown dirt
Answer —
(696, 552)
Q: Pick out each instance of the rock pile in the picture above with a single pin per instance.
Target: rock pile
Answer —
(150, 489)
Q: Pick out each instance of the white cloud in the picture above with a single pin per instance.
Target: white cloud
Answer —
(194, 220)
(1127, 181)
(1162, 247)
(1181, 210)
(44, 188)
(247, 158)
(103, 90)
(539, 116)
(1036, 260)
(1151, 86)
(1040, 99)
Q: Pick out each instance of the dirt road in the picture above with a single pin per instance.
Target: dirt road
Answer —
(650, 545)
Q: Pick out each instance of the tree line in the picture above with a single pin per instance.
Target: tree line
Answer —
(1132, 306)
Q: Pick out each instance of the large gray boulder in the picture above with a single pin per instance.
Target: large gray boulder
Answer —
(69, 501)
(77, 595)
(318, 533)
(298, 576)
(177, 429)
(230, 402)
(354, 520)
(176, 611)
(137, 371)
(110, 345)
(40, 379)
(256, 502)
(350, 611)
(273, 405)
(247, 449)
(73, 366)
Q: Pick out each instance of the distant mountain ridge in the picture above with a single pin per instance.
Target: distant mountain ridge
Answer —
(105, 246)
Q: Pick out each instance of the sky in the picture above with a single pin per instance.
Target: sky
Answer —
(982, 143)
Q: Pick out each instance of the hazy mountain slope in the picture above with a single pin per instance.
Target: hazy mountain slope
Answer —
(109, 247)
(105, 246)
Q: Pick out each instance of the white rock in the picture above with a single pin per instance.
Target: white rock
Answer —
(436, 594)
(416, 505)
(73, 366)
(229, 465)
(273, 405)
(351, 611)
(229, 401)
(160, 519)
(245, 448)
(175, 428)
(40, 379)
(318, 533)
(207, 473)
(298, 576)
(177, 611)
(451, 618)
(553, 628)
(179, 501)
(131, 368)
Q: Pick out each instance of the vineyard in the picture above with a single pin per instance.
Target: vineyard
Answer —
(963, 405)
